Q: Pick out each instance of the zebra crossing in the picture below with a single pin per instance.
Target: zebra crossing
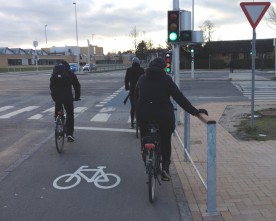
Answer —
(101, 111)
(102, 115)
(264, 90)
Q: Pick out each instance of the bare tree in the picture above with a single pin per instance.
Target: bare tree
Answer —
(208, 29)
(271, 17)
(134, 34)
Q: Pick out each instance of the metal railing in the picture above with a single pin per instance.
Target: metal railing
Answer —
(211, 158)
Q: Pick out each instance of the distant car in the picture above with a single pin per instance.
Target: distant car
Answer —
(89, 67)
(73, 67)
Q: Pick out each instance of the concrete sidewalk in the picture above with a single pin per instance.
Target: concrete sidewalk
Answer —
(246, 172)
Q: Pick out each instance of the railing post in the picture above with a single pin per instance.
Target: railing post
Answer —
(211, 168)
(186, 134)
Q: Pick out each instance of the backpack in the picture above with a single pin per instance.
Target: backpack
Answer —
(61, 76)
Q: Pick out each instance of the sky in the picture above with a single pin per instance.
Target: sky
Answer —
(108, 23)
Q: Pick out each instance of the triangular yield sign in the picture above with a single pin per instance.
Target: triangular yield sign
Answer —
(254, 11)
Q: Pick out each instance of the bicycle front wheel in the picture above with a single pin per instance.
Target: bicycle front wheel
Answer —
(59, 134)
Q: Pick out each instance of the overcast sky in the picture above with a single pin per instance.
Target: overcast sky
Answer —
(111, 21)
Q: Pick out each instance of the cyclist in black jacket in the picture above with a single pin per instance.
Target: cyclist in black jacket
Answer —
(153, 103)
(132, 75)
(61, 92)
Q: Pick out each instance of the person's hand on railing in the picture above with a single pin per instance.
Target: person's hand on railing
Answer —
(203, 111)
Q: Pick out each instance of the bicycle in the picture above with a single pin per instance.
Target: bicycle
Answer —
(60, 130)
(151, 154)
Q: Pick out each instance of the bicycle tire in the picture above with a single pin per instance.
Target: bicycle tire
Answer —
(151, 183)
(137, 129)
(59, 134)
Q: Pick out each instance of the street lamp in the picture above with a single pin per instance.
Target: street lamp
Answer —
(46, 33)
(78, 56)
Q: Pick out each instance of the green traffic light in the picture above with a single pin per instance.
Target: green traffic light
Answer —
(168, 70)
(173, 36)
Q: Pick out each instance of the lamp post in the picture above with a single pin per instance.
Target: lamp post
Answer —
(78, 56)
(46, 33)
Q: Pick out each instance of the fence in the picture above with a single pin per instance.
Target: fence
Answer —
(211, 158)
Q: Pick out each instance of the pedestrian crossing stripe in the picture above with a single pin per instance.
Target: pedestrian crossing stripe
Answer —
(6, 108)
(26, 109)
(101, 117)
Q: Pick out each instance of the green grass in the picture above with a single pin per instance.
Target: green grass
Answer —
(23, 69)
(264, 125)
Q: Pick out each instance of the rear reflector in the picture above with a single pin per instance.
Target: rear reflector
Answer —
(149, 145)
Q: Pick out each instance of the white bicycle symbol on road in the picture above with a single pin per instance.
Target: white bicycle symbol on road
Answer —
(100, 179)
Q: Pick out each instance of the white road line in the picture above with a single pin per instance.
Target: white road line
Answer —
(107, 109)
(80, 109)
(6, 108)
(101, 117)
(51, 110)
(36, 117)
(105, 129)
(26, 109)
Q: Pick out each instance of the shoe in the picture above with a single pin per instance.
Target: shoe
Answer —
(131, 126)
(165, 175)
(70, 138)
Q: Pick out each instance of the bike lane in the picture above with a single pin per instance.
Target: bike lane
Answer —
(28, 193)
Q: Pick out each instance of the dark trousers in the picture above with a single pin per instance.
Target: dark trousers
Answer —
(166, 148)
(132, 109)
(69, 108)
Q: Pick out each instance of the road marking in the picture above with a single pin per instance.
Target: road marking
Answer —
(5, 108)
(107, 109)
(26, 109)
(51, 110)
(36, 117)
(101, 117)
(98, 177)
(105, 129)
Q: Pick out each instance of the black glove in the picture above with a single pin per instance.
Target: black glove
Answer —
(203, 111)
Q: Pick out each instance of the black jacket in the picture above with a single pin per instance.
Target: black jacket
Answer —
(152, 98)
(132, 75)
(62, 93)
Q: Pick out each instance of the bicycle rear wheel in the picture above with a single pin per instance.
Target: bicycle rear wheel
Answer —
(137, 129)
(59, 134)
(151, 183)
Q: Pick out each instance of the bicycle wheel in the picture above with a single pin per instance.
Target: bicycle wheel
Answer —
(59, 134)
(137, 129)
(151, 182)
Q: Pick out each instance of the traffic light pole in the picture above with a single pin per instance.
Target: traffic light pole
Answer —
(175, 54)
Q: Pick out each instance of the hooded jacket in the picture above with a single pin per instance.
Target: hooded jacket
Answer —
(132, 75)
(152, 98)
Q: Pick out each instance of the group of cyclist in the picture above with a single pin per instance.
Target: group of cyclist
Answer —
(150, 93)
(151, 101)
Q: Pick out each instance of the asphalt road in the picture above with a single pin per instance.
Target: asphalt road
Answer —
(29, 163)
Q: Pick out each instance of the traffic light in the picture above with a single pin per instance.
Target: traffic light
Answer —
(186, 36)
(168, 59)
(173, 26)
